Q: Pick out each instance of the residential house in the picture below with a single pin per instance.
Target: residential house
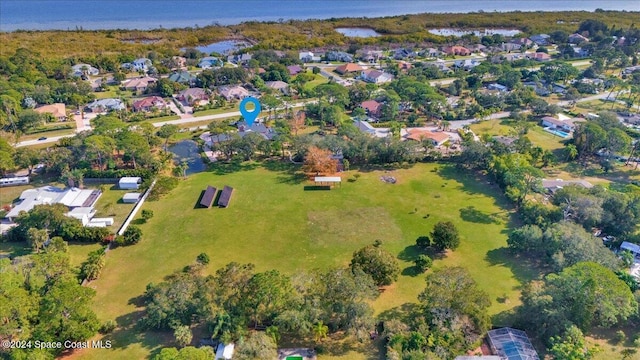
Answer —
(149, 104)
(376, 76)
(456, 50)
(466, 64)
(73, 198)
(477, 48)
(577, 39)
(139, 85)
(366, 128)
(498, 59)
(498, 87)
(404, 66)
(141, 64)
(210, 62)
(183, 77)
(510, 46)
(259, 128)
(403, 53)
(58, 111)
(178, 63)
(295, 69)
(348, 68)
(193, 96)
(564, 123)
(372, 107)
(580, 52)
(431, 52)
(539, 56)
(553, 185)
(540, 39)
(308, 56)
(233, 92)
(105, 105)
(440, 65)
(370, 56)
(83, 70)
(630, 70)
(524, 42)
(437, 138)
(239, 59)
(338, 56)
(280, 86)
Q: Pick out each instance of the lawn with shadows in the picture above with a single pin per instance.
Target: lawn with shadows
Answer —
(274, 223)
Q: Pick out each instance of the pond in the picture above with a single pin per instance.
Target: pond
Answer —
(188, 151)
(485, 32)
(357, 32)
(223, 47)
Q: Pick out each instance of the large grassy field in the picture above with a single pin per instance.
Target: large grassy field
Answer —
(274, 222)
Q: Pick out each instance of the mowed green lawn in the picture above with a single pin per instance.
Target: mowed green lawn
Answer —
(275, 223)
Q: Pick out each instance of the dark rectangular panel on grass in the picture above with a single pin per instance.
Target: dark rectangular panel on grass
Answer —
(225, 196)
(208, 197)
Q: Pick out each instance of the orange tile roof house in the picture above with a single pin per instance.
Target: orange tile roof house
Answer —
(57, 110)
(457, 50)
(539, 56)
(438, 138)
(372, 107)
(348, 68)
(149, 103)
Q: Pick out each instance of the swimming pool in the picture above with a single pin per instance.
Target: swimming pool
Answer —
(562, 134)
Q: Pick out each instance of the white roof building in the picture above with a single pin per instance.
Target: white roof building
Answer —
(129, 182)
(224, 352)
(83, 200)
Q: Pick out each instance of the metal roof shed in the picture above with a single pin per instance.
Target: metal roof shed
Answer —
(130, 182)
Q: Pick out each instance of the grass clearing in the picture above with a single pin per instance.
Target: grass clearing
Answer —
(536, 134)
(110, 205)
(274, 223)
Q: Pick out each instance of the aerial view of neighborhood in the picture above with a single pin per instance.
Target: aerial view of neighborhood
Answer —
(361, 180)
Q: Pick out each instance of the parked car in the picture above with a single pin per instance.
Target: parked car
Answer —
(42, 138)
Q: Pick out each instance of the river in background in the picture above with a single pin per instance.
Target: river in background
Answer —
(132, 14)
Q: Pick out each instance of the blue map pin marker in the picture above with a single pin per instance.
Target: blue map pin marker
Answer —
(250, 116)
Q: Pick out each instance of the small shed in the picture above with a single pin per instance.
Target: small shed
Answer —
(208, 197)
(130, 183)
(131, 198)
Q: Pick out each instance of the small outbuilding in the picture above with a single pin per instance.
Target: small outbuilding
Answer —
(224, 352)
(130, 183)
(131, 198)
(327, 180)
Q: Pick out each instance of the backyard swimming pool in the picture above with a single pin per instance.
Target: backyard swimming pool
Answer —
(560, 133)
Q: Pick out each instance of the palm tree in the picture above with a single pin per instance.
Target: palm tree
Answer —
(320, 331)
(572, 151)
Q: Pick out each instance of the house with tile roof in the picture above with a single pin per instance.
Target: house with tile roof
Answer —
(58, 111)
(348, 68)
(139, 85)
(233, 92)
(149, 104)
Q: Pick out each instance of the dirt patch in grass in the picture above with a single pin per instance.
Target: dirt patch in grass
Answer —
(327, 227)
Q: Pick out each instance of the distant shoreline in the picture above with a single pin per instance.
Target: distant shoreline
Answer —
(66, 15)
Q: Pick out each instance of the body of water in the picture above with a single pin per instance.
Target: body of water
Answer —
(188, 151)
(151, 14)
(357, 32)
